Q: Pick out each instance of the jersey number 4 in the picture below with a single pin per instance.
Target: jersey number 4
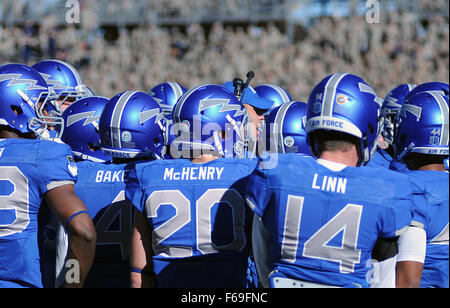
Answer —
(317, 246)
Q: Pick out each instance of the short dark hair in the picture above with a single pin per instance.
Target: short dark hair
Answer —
(326, 140)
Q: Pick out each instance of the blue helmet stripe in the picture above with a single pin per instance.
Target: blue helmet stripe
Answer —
(444, 111)
(329, 94)
(176, 89)
(281, 92)
(116, 118)
(279, 122)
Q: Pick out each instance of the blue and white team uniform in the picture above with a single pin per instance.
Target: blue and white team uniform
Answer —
(28, 169)
(432, 213)
(397, 165)
(324, 218)
(380, 158)
(423, 129)
(199, 218)
(101, 186)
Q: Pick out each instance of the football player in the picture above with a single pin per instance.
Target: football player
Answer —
(193, 231)
(33, 171)
(443, 89)
(422, 144)
(384, 153)
(255, 106)
(128, 129)
(316, 221)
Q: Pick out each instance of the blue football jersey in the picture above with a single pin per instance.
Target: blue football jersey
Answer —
(398, 166)
(28, 169)
(101, 186)
(199, 218)
(323, 224)
(381, 158)
(432, 213)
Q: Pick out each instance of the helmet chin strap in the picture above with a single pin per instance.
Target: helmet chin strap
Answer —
(406, 151)
(218, 144)
(364, 153)
(241, 146)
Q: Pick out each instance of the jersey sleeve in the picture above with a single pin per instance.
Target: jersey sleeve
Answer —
(396, 216)
(56, 166)
(258, 193)
(420, 211)
(133, 191)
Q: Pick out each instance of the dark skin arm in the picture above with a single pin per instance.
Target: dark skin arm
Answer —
(408, 274)
(64, 203)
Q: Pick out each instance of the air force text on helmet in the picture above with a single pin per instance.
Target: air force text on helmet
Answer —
(437, 151)
(324, 123)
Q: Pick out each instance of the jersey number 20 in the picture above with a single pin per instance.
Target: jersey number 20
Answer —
(203, 219)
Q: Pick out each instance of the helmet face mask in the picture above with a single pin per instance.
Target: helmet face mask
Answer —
(391, 107)
(24, 95)
(208, 119)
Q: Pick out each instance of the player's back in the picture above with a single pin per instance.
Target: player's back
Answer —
(28, 169)
(433, 214)
(324, 223)
(199, 219)
(102, 189)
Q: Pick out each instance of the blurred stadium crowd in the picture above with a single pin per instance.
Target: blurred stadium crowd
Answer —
(405, 47)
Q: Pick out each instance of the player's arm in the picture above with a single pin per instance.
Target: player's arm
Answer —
(410, 258)
(141, 274)
(72, 212)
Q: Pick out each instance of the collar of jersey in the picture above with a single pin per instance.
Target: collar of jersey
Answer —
(334, 166)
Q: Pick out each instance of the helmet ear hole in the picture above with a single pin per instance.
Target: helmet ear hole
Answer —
(371, 129)
(17, 110)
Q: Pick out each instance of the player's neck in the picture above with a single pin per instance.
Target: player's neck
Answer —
(433, 167)
(4, 134)
(204, 158)
(348, 158)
